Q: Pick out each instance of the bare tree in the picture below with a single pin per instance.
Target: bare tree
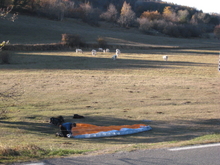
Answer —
(89, 14)
(86, 9)
(4, 14)
(183, 16)
(54, 9)
(127, 16)
(169, 14)
(111, 14)
(200, 17)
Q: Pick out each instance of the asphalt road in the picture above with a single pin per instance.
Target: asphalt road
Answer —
(196, 155)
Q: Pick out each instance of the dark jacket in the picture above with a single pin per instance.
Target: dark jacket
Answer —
(67, 126)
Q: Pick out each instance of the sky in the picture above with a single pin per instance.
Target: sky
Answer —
(210, 6)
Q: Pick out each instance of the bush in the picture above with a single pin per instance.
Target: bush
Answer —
(182, 30)
(71, 40)
(145, 24)
(8, 152)
(217, 31)
(89, 14)
(102, 43)
(92, 19)
(170, 28)
(151, 15)
(158, 24)
(5, 57)
(111, 15)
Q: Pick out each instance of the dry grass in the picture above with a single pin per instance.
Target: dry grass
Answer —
(180, 96)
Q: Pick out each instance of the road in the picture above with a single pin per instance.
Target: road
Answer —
(197, 155)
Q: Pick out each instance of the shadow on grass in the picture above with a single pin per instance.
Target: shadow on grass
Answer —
(21, 61)
(162, 131)
(189, 51)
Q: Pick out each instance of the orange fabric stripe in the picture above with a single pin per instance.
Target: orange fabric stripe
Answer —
(82, 128)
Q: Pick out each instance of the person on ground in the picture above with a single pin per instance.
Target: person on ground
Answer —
(65, 129)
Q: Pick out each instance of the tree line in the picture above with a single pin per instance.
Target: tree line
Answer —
(150, 16)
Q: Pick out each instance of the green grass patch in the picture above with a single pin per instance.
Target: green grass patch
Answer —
(66, 152)
(211, 138)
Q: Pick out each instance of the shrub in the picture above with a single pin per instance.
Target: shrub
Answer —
(92, 18)
(170, 28)
(169, 14)
(159, 25)
(151, 15)
(146, 26)
(88, 14)
(8, 152)
(4, 57)
(182, 30)
(217, 31)
(183, 16)
(102, 43)
(71, 40)
(111, 14)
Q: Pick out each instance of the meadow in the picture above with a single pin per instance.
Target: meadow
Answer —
(178, 98)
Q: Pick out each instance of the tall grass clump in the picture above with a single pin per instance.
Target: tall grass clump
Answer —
(5, 151)
(31, 152)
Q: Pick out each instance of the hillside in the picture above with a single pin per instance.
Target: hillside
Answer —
(33, 30)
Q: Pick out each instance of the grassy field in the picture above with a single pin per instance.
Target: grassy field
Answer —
(180, 97)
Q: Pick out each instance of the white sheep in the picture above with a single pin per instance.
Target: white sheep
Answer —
(106, 50)
(118, 52)
(100, 49)
(114, 57)
(165, 58)
(79, 51)
(93, 52)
